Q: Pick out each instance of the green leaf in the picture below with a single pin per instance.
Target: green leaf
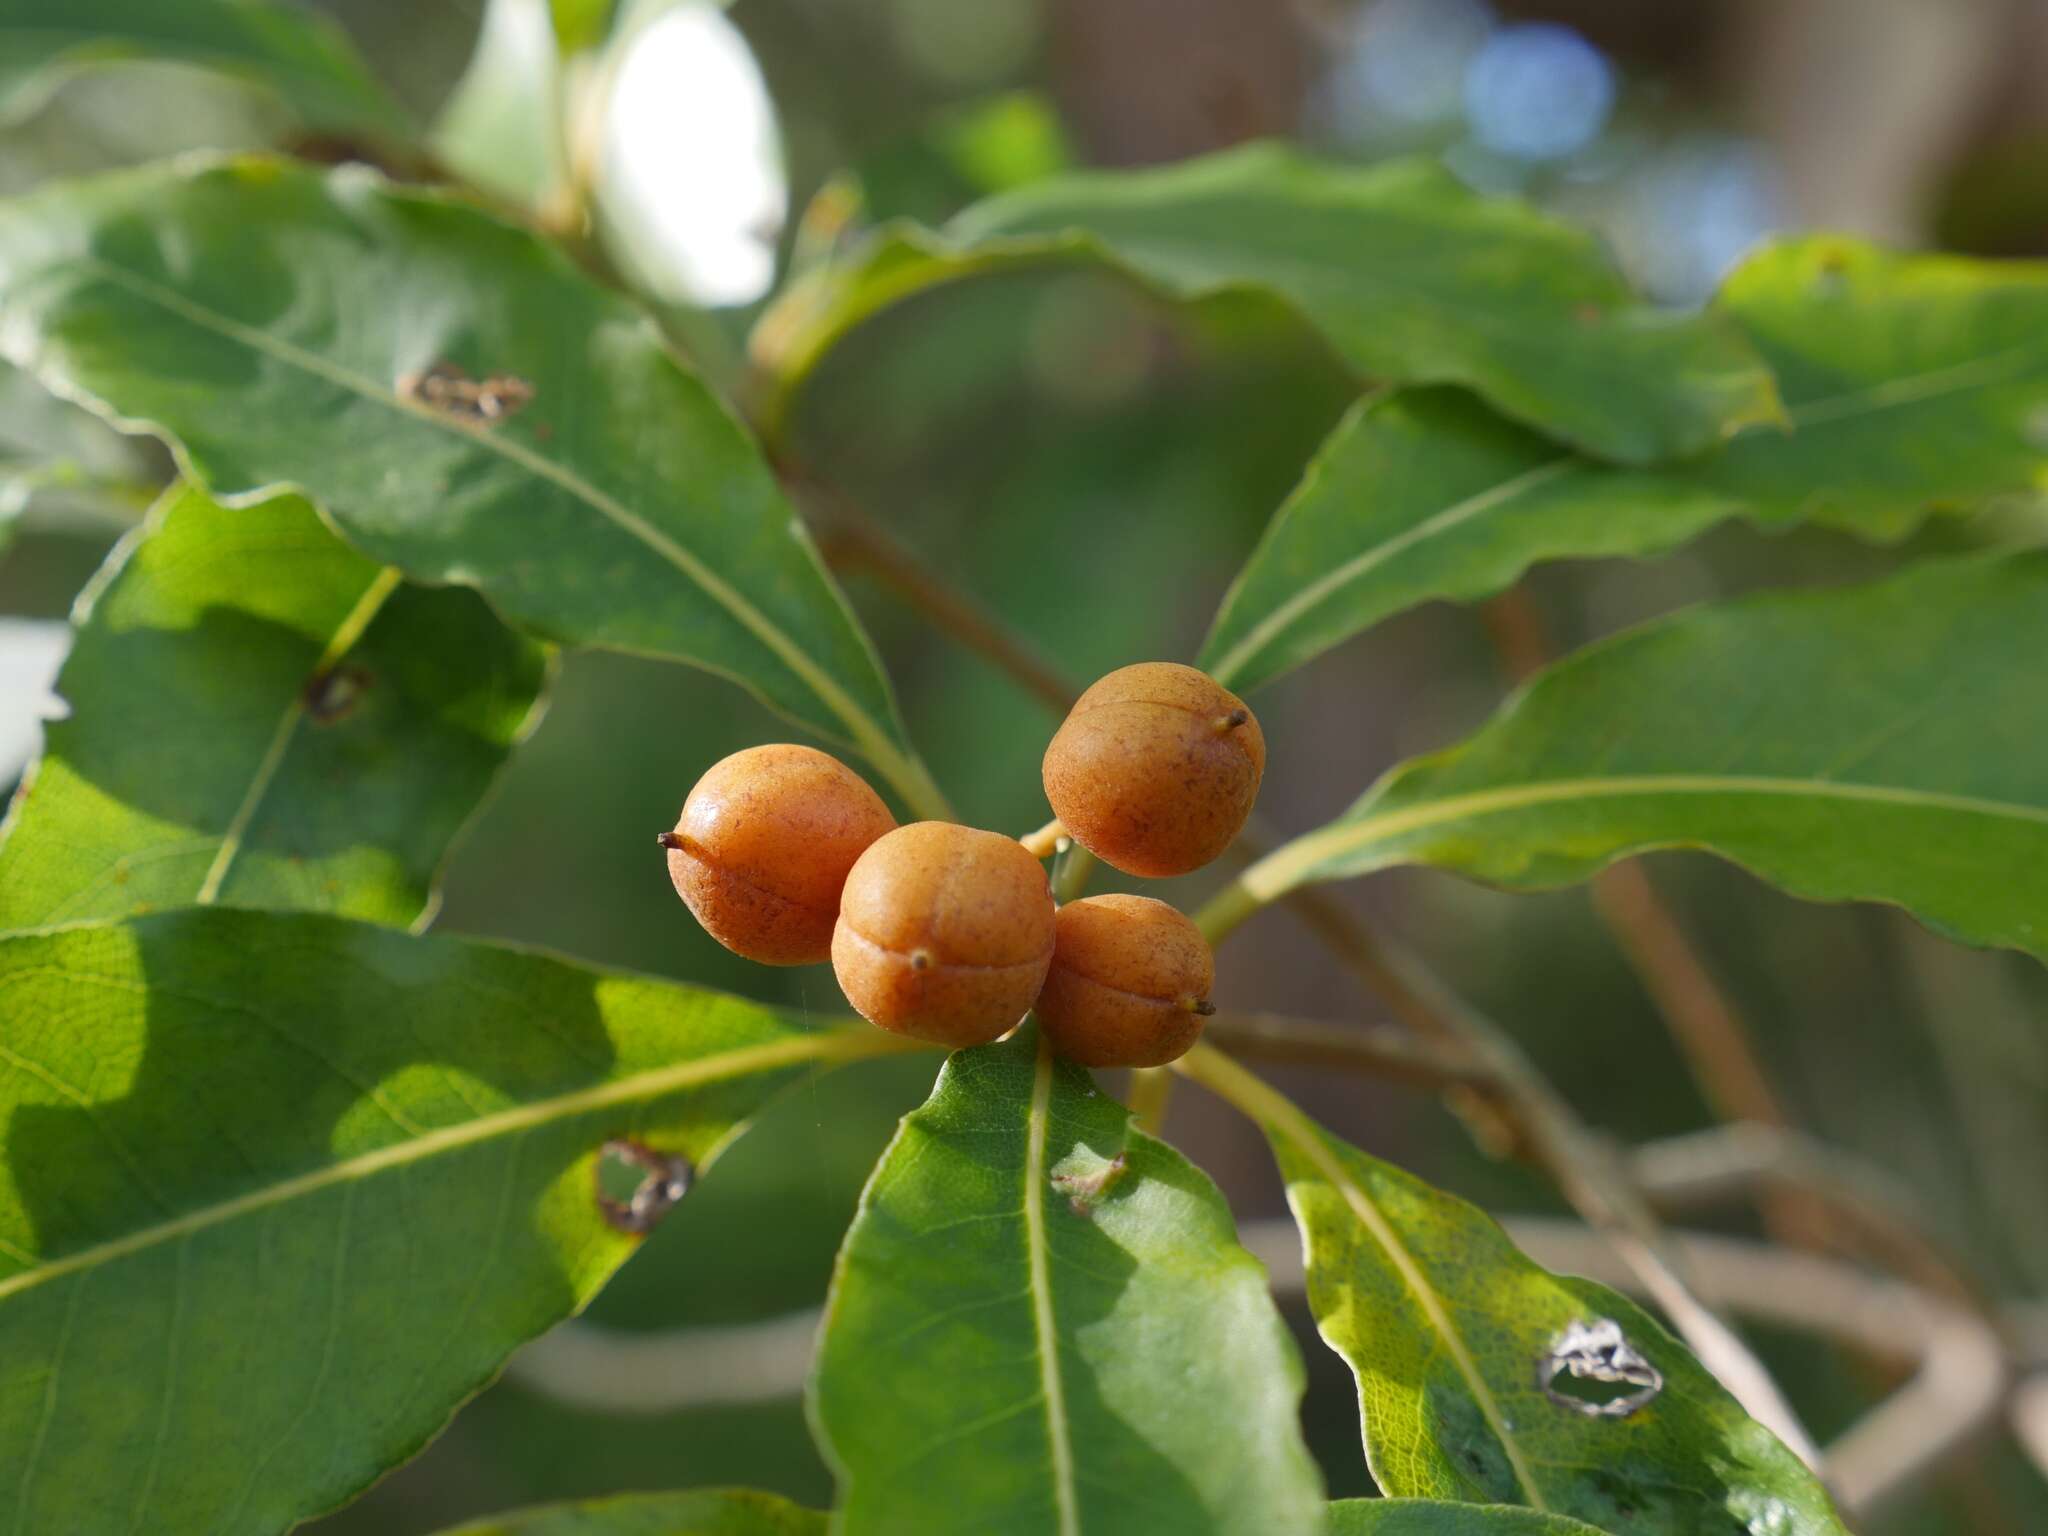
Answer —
(284, 1190)
(1436, 1517)
(1875, 743)
(1041, 1317)
(1909, 383)
(276, 324)
(1411, 277)
(1420, 494)
(1912, 382)
(64, 463)
(264, 718)
(700, 1512)
(298, 54)
(580, 24)
(1447, 1326)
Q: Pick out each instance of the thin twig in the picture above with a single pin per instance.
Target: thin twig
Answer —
(850, 538)
(1344, 935)
(1677, 1175)
(1381, 1050)
(1862, 1202)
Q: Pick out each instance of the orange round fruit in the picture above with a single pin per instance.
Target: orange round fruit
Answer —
(1129, 983)
(944, 933)
(764, 845)
(1155, 769)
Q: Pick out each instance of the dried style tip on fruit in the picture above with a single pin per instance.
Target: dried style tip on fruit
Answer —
(1155, 769)
(1129, 984)
(764, 845)
(944, 933)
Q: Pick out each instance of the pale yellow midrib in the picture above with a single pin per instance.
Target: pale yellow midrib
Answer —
(1050, 1386)
(1280, 870)
(1910, 390)
(1282, 1117)
(1432, 1306)
(1366, 561)
(865, 733)
(828, 1045)
(339, 644)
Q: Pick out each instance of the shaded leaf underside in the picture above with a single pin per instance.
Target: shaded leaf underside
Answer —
(1400, 267)
(300, 55)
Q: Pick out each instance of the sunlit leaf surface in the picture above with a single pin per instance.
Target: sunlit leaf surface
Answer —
(464, 404)
(1452, 1333)
(1439, 1517)
(1874, 743)
(260, 716)
(1041, 1316)
(282, 1191)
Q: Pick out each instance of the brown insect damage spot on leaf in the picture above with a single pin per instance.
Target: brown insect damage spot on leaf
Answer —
(1085, 1176)
(635, 1186)
(332, 695)
(447, 388)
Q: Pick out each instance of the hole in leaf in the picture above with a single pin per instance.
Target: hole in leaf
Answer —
(1593, 1393)
(635, 1186)
(1593, 1369)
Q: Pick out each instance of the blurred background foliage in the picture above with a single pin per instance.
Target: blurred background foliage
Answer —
(1092, 466)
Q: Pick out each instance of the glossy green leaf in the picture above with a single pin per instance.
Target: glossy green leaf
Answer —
(283, 1190)
(297, 53)
(1909, 384)
(280, 326)
(264, 718)
(700, 1512)
(1448, 1327)
(1437, 1517)
(1874, 743)
(1411, 276)
(1042, 1323)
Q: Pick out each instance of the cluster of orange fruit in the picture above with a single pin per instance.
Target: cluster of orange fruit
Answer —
(950, 934)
